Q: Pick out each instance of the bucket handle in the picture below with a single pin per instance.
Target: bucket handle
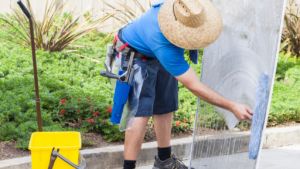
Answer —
(55, 154)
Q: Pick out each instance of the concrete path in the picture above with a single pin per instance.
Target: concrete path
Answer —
(281, 158)
(276, 158)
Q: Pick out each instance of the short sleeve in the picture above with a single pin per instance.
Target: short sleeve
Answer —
(172, 59)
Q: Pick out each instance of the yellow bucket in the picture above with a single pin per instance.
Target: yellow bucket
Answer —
(42, 143)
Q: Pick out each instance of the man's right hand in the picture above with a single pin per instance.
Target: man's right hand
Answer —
(242, 112)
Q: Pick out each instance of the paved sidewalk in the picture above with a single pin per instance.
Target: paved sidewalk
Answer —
(276, 158)
(281, 158)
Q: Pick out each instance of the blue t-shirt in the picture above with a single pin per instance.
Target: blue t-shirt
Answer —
(145, 36)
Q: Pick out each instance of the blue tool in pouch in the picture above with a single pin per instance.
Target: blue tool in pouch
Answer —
(120, 99)
(123, 84)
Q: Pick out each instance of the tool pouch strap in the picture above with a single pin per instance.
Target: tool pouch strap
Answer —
(125, 48)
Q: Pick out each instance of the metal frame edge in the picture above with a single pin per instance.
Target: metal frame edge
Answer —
(271, 89)
(196, 118)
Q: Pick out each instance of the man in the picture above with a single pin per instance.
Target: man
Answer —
(161, 35)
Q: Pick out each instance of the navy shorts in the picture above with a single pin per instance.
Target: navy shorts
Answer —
(157, 88)
(159, 94)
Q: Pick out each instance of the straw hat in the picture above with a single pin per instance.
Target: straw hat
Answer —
(190, 24)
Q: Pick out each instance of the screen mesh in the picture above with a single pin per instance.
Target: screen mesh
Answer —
(248, 46)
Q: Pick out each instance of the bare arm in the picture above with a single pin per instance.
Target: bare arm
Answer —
(191, 81)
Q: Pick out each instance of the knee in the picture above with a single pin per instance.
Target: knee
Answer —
(138, 123)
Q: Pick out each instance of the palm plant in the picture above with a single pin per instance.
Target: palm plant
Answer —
(55, 32)
(291, 32)
(127, 14)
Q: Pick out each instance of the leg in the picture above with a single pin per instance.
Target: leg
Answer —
(141, 96)
(144, 91)
(134, 138)
(162, 127)
(166, 101)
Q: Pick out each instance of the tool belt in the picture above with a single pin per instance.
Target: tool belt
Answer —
(126, 50)
(124, 76)
(127, 65)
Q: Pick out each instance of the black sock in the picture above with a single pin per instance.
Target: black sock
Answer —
(164, 153)
(129, 164)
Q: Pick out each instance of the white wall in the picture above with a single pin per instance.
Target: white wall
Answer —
(95, 7)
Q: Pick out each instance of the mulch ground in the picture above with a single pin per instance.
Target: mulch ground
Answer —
(95, 140)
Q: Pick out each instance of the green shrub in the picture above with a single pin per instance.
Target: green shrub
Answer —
(77, 110)
(89, 114)
(285, 106)
(60, 75)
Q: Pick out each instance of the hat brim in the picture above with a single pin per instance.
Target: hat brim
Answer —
(189, 37)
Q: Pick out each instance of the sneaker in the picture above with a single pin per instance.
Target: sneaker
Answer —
(171, 163)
